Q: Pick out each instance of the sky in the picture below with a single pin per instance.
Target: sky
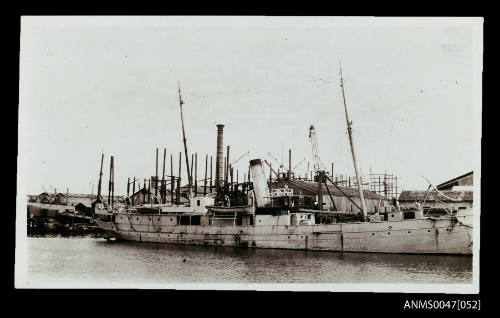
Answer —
(110, 84)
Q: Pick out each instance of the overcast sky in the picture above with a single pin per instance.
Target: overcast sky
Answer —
(89, 84)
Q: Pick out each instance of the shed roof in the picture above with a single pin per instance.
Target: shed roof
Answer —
(311, 188)
(412, 196)
(453, 181)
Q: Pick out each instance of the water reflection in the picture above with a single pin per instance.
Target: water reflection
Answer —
(98, 259)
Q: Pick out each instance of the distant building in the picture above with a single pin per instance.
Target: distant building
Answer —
(82, 209)
(464, 180)
(342, 203)
(459, 188)
(71, 199)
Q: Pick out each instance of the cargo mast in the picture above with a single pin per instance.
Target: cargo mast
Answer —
(185, 145)
(99, 196)
(349, 131)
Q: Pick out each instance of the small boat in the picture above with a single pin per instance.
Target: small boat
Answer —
(233, 209)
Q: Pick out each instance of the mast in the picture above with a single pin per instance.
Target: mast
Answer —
(349, 131)
(185, 145)
(100, 180)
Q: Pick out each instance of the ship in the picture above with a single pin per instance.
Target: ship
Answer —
(251, 215)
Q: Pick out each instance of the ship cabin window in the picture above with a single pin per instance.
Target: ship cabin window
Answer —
(195, 220)
(198, 202)
(184, 220)
(190, 220)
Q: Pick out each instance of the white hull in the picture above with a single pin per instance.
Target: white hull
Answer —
(425, 236)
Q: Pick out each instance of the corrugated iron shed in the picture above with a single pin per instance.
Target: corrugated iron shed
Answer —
(412, 196)
(463, 180)
(311, 188)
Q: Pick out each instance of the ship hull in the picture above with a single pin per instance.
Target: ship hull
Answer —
(416, 236)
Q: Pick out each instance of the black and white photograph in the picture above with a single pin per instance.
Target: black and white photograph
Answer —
(268, 153)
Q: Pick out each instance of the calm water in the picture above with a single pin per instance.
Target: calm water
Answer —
(78, 260)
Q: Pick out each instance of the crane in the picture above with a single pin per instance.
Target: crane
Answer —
(240, 157)
(298, 164)
(281, 166)
(319, 168)
(318, 165)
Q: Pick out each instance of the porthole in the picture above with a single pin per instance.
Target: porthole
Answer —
(373, 233)
(428, 230)
(409, 232)
(389, 233)
(137, 219)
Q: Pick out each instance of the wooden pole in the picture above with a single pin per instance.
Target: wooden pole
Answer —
(320, 189)
(172, 181)
(128, 187)
(99, 185)
(225, 171)
(196, 174)
(163, 190)
(211, 175)
(289, 163)
(191, 174)
(112, 181)
(139, 190)
(205, 183)
(231, 172)
(109, 182)
(179, 180)
(156, 175)
(227, 164)
(133, 193)
(349, 131)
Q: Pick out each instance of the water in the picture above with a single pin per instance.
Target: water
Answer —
(86, 259)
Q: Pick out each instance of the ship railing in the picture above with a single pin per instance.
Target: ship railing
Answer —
(227, 216)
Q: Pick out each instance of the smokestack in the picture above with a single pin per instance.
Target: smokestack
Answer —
(259, 183)
(219, 162)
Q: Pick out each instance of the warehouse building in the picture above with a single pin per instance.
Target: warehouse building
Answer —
(341, 202)
(456, 194)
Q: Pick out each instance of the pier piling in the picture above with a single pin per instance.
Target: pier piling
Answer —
(205, 183)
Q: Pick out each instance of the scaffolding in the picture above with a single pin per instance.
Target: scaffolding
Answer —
(384, 184)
